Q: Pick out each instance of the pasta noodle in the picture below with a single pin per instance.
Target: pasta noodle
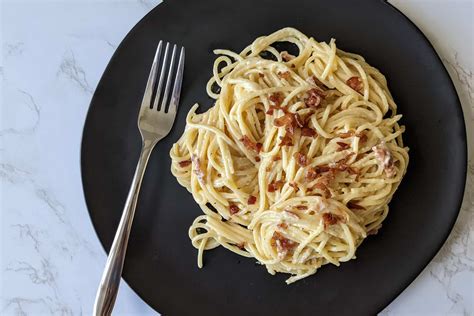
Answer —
(297, 160)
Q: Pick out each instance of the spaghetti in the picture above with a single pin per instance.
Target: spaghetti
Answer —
(297, 160)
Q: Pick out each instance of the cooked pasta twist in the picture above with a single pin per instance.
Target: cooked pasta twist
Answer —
(297, 160)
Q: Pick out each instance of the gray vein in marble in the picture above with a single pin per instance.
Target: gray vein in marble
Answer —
(33, 106)
(464, 76)
(72, 70)
(26, 231)
(15, 175)
(111, 44)
(14, 49)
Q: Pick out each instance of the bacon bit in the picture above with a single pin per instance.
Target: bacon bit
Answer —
(284, 120)
(322, 168)
(330, 219)
(355, 83)
(385, 160)
(312, 212)
(315, 97)
(342, 146)
(308, 131)
(241, 246)
(257, 159)
(261, 75)
(373, 231)
(197, 169)
(286, 140)
(353, 205)
(346, 134)
(283, 225)
(283, 244)
(294, 186)
(252, 199)
(290, 121)
(284, 75)
(301, 159)
(272, 108)
(323, 187)
(362, 137)
(301, 207)
(286, 56)
(311, 174)
(185, 163)
(276, 98)
(275, 185)
(250, 144)
(298, 120)
(276, 158)
(233, 209)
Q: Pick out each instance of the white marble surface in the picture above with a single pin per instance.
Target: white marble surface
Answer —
(53, 53)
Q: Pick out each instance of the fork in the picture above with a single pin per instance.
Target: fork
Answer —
(154, 122)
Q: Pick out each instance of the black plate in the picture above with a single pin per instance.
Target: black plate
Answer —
(161, 263)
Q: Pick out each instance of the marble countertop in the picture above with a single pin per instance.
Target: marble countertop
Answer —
(53, 54)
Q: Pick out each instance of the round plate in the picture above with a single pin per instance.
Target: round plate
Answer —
(161, 263)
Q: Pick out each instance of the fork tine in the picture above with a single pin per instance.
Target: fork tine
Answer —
(168, 80)
(146, 102)
(162, 76)
(177, 83)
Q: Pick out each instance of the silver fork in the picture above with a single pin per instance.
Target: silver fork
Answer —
(154, 122)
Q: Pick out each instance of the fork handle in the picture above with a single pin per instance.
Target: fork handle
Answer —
(109, 284)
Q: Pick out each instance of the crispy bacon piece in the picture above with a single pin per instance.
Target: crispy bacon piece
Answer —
(284, 75)
(283, 225)
(308, 131)
(261, 75)
(354, 206)
(311, 174)
(251, 200)
(294, 186)
(282, 244)
(301, 159)
(284, 120)
(346, 134)
(286, 56)
(272, 109)
(276, 158)
(355, 83)
(323, 187)
(275, 185)
(342, 146)
(286, 140)
(363, 137)
(322, 168)
(249, 144)
(301, 207)
(330, 219)
(385, 159)
(290, 121)
(184, 163)
(233, 209)
(373, 231)
(257, 159)
(197, 169)
(315, 96)
(276, 98)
